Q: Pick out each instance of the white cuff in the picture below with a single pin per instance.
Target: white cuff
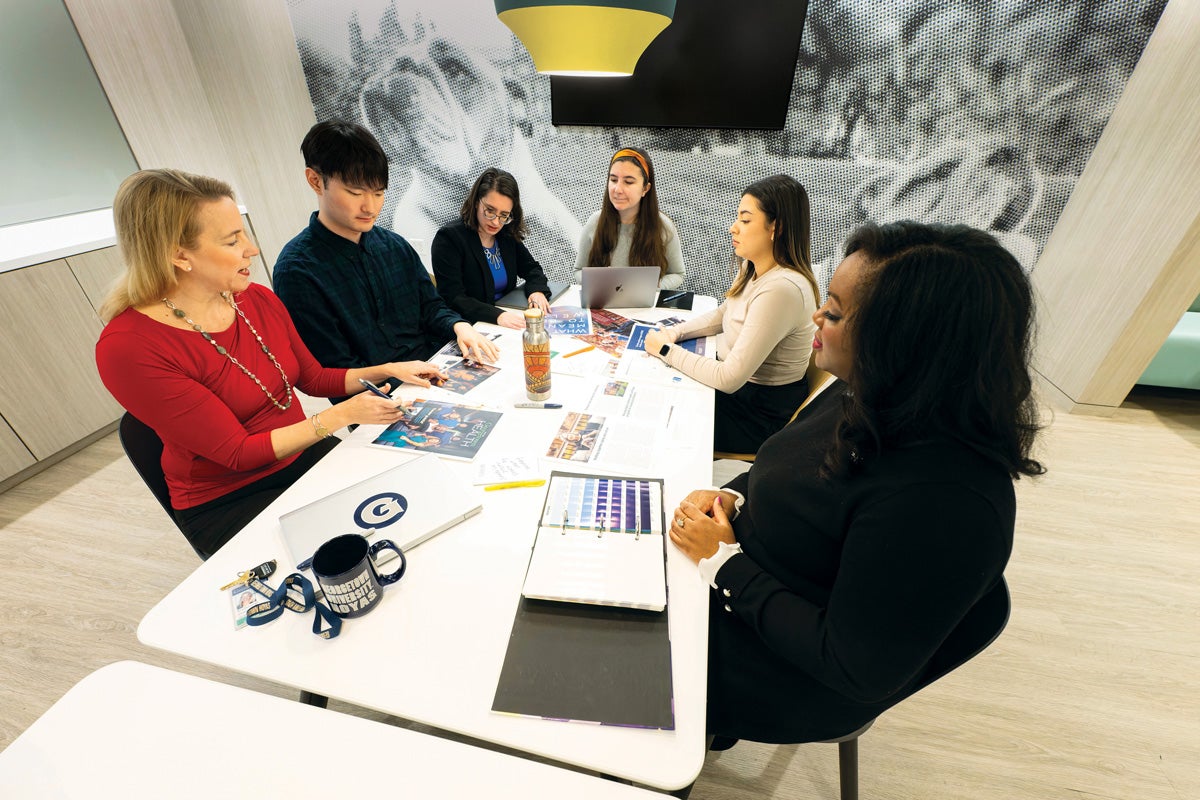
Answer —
(737, 503)
(709, 567)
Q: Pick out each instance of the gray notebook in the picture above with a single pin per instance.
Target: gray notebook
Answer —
(407, 504)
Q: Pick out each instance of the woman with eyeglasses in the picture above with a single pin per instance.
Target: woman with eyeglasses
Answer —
(629, 230)
(480, 257)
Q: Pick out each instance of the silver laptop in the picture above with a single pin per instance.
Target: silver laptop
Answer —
(619, 287)
(407, 504)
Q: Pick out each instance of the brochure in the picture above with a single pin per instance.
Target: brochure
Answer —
(447, 429)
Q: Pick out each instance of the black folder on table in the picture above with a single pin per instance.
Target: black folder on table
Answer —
(568, 661)
(515, 298)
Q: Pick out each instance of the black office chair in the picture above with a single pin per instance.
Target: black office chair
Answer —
(144, 449)
(979, 628)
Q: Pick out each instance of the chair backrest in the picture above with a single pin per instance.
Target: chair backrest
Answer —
(145, 449)
(978, 629)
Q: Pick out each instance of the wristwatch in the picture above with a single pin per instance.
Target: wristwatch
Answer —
(662, 351)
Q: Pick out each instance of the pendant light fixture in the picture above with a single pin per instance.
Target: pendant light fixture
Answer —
(586, 37)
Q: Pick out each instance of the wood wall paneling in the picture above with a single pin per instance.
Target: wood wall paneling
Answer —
(1123, 262)
(51, 395)
(96, 270)
(14, 455)
(249, 68)
(215, 88)
(143, 62)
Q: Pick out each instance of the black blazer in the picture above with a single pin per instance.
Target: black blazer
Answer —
(464, 279)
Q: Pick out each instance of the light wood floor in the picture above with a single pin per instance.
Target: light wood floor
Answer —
(1092, 693)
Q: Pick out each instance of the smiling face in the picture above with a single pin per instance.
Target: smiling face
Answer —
(349, 211)
(753, 234)
(832, 347)
(220, 259)
(626, 188)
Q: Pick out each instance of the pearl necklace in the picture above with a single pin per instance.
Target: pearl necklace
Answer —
(181, 314)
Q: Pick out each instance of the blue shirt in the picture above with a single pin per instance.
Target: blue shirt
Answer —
(495, 263)
(357, 305)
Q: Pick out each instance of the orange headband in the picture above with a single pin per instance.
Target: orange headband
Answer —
(634, 154)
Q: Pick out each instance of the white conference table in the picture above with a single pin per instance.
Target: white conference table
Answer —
(133, 730)
(432, 651)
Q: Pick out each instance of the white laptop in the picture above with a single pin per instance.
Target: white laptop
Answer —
(407, 504)
(619, 287)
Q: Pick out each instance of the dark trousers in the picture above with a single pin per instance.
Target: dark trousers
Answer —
(210, 525)
(744, 419)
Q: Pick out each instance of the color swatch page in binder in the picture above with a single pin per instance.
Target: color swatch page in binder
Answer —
(600, 541)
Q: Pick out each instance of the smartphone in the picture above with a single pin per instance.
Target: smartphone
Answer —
(682, 300)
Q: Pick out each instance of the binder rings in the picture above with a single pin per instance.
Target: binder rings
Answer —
(600, 541)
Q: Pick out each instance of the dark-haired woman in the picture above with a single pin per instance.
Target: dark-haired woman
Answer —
(764, 328)
(866, 530)
(480, 257)
(629, 230)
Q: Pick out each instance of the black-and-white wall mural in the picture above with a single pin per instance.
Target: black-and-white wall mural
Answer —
(983, 112)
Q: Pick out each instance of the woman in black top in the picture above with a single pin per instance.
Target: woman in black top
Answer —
(873, 523)
(479, 258)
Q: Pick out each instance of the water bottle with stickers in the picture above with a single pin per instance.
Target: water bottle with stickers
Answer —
(536, 344)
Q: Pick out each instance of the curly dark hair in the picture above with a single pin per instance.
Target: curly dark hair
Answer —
(941, 342)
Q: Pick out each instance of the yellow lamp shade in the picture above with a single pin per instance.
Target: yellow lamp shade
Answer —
(586, 37)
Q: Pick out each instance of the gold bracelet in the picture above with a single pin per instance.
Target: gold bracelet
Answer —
(320, 429)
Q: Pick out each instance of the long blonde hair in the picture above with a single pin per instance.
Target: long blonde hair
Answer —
(155, 212)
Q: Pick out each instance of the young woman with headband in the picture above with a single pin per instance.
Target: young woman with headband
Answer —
(629, 230)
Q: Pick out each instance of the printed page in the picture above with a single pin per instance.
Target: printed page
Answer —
(603, 442)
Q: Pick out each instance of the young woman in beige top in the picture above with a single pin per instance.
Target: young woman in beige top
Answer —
(764, 328)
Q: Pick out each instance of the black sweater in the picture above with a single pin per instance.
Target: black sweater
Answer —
(847, 587)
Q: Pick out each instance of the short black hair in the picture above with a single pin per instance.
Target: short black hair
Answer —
(941, 342)
(346, 151)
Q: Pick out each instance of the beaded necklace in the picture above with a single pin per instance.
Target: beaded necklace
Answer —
(181, 314)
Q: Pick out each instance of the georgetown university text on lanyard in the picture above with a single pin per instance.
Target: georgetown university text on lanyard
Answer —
(286, 597)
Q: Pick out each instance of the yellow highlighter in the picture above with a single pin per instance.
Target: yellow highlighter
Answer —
(513, 485)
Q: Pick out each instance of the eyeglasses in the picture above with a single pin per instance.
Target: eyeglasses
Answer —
(490, 213)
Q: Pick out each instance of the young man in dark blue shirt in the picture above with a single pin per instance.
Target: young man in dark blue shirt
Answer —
(359, 295)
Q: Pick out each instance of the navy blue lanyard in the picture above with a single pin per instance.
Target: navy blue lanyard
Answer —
(283, 597)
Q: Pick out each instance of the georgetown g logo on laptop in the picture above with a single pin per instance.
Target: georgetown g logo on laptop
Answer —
(425, 493)
(380, 510)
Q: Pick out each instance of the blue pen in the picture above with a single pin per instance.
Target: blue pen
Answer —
(537, 405)
(374, 389)
(381, 393)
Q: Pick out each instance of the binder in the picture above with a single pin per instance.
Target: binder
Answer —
(601, 541)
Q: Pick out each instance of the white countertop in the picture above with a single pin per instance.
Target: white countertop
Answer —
(29, 243)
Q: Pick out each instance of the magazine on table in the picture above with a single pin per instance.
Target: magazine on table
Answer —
(446, 429)
(568, 321)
